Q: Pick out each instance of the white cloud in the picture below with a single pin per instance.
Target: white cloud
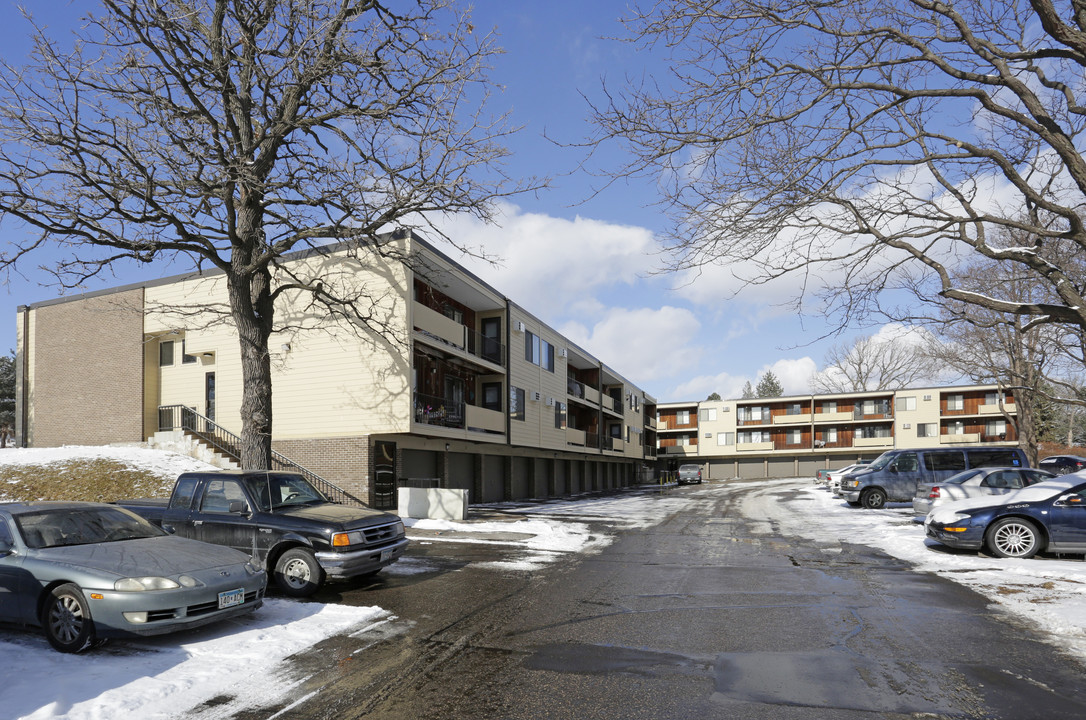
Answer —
(643, 344)
(794, 375)
(551, 265)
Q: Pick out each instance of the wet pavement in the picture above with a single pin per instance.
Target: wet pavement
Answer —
(707, 614)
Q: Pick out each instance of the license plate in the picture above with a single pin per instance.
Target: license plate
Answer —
(230, 598)
(386, 555)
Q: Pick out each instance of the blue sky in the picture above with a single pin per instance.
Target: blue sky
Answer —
(579, 255)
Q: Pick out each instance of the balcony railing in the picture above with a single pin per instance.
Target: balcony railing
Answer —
(436, 410)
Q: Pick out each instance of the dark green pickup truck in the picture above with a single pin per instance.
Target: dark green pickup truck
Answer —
(300, 536)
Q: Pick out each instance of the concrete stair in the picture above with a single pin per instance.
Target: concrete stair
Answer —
(177, 441)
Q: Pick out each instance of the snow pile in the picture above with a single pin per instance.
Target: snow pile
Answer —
(161, 677)
(166, 464)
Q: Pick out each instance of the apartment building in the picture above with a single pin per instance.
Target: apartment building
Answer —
(798, 435)
(463, 388)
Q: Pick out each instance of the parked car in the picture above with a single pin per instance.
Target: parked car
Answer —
(895, 474)
(1062, 464)
(689, 474)
(299, 535)
(87, 571)
(822, 477)
(834, 477)
(1050, 516)
(979, 482)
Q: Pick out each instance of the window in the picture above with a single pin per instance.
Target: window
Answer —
(829, 435)
(560, 415)
(991, 398)
(995, 427)
(906, 403)
(219, 495)
(994, 458)
(492, 396)
(927, 429)
(829, 406)
(708, 414)
(794, 437)
(793, 409)
(548, 356)
(955, 427)
(955, 402)
(725, 438)
(531, 347)
(183, 492)
(682, 417)
(186, 359)
(165, 353)
(873, 431)
(749, 436)
(751, 414)
(516, 403)
(945, 460)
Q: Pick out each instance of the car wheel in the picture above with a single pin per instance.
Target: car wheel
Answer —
(298, 573)
(66, 619)
(873, 498)
(1014, 537)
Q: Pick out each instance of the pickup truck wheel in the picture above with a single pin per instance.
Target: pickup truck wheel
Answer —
(298, 573)
(873, 498)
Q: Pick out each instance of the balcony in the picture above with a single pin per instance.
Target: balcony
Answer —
(960, 439)
(994, 409)
(834, 417)
(483, 419)
(614, 444)
(791, 419)
(873, 442)
(437, 325)
(754, 447)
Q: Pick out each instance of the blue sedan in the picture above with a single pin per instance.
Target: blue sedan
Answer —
(1048, 516)
(87, 571)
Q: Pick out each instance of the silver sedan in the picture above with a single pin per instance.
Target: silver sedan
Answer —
(88, 571)
(978, 482)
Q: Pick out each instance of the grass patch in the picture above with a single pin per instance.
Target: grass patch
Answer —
(94, 479)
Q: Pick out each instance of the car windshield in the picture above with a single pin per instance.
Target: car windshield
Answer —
(279, 490)
(57, 527)
(961, 477)
(880, 462)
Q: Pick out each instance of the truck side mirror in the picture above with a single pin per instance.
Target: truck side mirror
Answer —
(239, 507)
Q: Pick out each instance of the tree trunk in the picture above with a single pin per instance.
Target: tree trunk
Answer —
(1026, 427)
(251, 306)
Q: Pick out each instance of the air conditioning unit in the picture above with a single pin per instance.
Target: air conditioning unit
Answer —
(550, 402)
(536, 395)
(519, 326)
(563, 352)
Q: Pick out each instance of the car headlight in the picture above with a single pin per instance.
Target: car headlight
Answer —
(957, 517)
(139, 584)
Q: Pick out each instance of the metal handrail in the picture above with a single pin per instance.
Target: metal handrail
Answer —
(184, 418)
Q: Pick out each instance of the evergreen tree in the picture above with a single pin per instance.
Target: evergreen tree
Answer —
(769, 386)
(748, 391)
(715, 396)
(7, 398)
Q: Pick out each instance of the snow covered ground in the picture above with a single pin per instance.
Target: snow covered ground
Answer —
(189, 675)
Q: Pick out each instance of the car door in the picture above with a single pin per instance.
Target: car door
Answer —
(1066, 521)
(11, 574)
(214, 523)
(903, 476)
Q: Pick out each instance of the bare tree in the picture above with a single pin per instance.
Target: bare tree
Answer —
(876, 363)
(1005, 349)
(230, 134)
(845, 142)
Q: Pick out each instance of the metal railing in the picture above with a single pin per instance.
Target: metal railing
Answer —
(181, 417)
(436, 410)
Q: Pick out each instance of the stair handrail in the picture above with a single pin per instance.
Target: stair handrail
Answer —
(186, 419)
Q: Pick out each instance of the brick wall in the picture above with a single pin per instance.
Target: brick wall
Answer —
(88, 371)
(344, 462)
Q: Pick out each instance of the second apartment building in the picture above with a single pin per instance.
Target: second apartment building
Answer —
(796, 436)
